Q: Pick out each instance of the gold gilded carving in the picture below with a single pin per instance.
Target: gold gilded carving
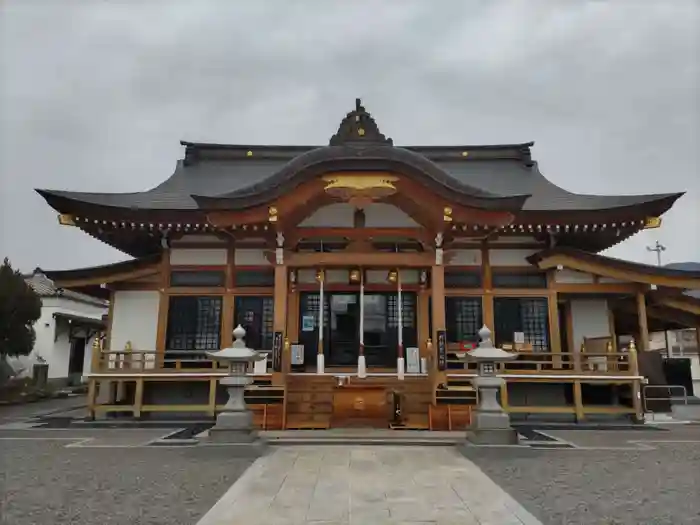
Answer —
(652, 222)
(360, 190)
(447, 214)
(272, 214)
(66, 219)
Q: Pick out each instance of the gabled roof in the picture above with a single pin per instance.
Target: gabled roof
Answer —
(45, 287)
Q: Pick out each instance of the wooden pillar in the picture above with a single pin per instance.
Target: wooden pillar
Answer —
(611, 327)
(280, 319)
(423, 313)
(578, 401)
(228, 322)
(487, 299)
(554, 329)
(164, 303)
(437, 282)
(636, 384)
(643, 342)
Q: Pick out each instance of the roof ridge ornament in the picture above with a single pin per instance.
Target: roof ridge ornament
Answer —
(358, 127)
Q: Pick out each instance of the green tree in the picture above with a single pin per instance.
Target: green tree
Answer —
(20, 307)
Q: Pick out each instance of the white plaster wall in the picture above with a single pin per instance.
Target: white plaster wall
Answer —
(250, 257)
(192, 239)
(507, 257)
(589, 319)
(381, 215)
(55, 348)
(341, 215)
(464, 258)
(338, 215)
(203, 256)
(135, 319)
(610, 280)
(572, 277)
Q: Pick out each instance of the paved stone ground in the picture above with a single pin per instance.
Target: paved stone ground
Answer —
(102, 482)
(623, 484)
(111, 478)
(366, 485)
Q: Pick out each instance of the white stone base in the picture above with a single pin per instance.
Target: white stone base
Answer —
(320, 363)
(401, 368)
(361, 366)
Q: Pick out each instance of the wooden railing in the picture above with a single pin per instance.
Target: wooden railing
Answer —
(134, 361)
(576, 363)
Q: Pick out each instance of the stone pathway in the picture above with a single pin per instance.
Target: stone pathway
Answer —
(366, 485)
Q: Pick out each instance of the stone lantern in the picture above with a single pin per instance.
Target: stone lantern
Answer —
(490, 423)
(234, 424)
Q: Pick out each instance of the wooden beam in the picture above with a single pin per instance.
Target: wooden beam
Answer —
(607, 270)
(163, 305)
(678, 304)
(106, 279)
(437, 281)
(361, 233)
(280, 317)
(554, 330)
(601, 288)
(368, 259)
(643, 343)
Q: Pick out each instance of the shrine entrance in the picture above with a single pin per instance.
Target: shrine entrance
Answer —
(342, 323)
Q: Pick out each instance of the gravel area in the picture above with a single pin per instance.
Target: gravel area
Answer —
(603, 487)
(44, 483)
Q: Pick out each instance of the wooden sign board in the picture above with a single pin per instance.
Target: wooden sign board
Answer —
(277, 343)
(442, 349)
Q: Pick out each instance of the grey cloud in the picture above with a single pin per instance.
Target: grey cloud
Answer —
(95, 96)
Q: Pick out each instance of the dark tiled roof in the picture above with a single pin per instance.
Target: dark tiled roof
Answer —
(237, 176)
(497, 178)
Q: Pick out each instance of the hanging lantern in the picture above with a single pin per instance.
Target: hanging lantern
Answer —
(320, 275)
(393, 276)
(355, 276)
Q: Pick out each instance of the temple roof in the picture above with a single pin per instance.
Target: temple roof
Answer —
(231, 173)
(238, 176)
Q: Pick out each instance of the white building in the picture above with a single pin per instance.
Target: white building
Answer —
(64, 333)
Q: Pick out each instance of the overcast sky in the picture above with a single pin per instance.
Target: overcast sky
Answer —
(96, 95)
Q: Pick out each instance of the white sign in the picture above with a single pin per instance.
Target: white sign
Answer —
(297, 354)
(412, 360)
(519, 338)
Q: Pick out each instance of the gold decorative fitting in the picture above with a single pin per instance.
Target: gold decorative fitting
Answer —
(320, 275)
(447, 214)
(632, 346)
(248, 153)
(361, 132)
(359, 190)
(429, 343)
(128, 346)
(393, 276)
(355, 276)
(287, 344)
(465, 154)
(272, 214)
(652, 222)
(66, 219)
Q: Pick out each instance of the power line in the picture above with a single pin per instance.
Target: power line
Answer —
(658, 248)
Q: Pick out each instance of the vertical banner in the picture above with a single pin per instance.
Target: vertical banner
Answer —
(442, 349)
(277, 342)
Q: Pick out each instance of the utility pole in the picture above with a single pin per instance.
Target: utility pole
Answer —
(658, 248)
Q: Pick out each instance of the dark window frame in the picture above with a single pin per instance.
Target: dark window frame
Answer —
(263, 277)
(530, 280)
(471, 278)
(194, 323)
(197, 278)
(463, 318)
(259, 336)
(532, 319)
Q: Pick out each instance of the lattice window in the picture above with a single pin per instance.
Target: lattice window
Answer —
(528, 315)
(256, 315)
(311, 307)
(463, 318)
(194, 323)
(534, 316)
(408, 310)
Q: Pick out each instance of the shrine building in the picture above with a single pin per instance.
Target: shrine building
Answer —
(365, 270)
